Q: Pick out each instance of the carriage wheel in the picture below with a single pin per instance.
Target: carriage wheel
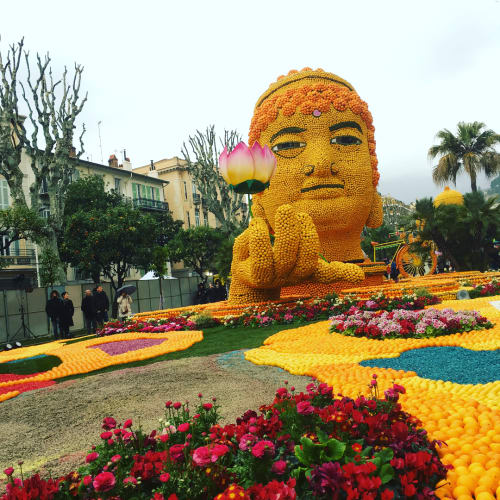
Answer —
(411, 264)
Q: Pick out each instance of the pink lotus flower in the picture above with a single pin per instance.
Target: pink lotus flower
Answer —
(247, 164)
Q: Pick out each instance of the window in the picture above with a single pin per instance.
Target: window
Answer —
(152, 193)
(118, 187)
(75, 175)
(205, 217)
(144, 191)
(197, 216)
(189, 219)
(45, 212)
(5, 248)
(157, 193)
(193, 186)
(4, 194)
(185, 190)
(135, 191)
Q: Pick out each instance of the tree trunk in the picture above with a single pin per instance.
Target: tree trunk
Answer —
(473, 183)
(162, 306)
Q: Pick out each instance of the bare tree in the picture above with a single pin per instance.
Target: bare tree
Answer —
(11, 126)
(229, 207)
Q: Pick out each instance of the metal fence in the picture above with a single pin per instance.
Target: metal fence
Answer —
(176, 293)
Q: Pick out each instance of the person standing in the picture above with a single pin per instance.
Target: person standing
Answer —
(89, 312)
(220, 291)
(124, 306)
(54, 309)
(394, 271)
(101, 306)
(66, 319)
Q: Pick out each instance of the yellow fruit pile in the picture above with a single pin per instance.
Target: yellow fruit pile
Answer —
(466, 416)
(77, 358)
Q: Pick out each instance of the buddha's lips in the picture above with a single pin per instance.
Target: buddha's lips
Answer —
(321, 186)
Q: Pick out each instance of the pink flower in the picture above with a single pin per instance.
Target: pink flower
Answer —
(304, 408)
(263, 448)
(104, 481)
(246, 441)
(177, 452)
(164, 477)
(183, 427)
(109, 423)
(219, 450)
(201, 456)
(244, 163)
(87, 480)
(91, 457)
(9, 471)
(207, 406)
(106, 435)
(127, 423)
(279, 467)
(177, 405)
(115, 458)
(130, 479)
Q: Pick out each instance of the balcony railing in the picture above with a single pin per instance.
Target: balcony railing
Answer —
(24, 257)
(196, 199)
(148, 204)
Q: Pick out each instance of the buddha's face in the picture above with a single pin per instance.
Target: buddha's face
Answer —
(323, 169)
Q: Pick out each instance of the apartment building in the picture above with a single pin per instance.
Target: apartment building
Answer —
(145, 191)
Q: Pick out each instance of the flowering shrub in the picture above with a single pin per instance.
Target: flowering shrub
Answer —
(405, 324)
(300, 446)
(485, 290)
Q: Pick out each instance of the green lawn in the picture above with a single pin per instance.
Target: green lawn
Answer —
(215, 341)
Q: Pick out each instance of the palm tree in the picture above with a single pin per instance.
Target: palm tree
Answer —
(471, 150)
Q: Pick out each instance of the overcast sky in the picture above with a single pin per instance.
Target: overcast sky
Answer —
(156, 71)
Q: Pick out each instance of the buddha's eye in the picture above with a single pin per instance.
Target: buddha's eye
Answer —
(288, 149)
(346, 140)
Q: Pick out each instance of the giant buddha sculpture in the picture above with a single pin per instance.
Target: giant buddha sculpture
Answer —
(307, 224)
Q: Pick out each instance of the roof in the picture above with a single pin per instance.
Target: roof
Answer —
(109, 169)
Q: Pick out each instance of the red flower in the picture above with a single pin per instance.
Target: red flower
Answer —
(207, 406)
(184, 427)
(263, 448)
(177, 405)
(104, 481)
(168, 404)
(109, 423)
(9, 471)
(304, 408)
(87, 480)
(106, 435)
(387, 495)
(127, 423)
(91, 457)
(115, 458)
(279, 467)
(164, 477)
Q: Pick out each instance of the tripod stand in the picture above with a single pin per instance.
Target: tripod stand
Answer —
(24, 328)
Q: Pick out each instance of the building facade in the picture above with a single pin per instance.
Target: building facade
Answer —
(185, 202)
(144, 191)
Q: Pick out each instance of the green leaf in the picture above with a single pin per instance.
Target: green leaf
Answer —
(385, 455)
(336, 449)
(386, 473)
(322, 436)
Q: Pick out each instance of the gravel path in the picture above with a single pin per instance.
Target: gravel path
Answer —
(51, 429)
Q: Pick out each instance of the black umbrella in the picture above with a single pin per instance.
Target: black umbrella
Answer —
(128, 289)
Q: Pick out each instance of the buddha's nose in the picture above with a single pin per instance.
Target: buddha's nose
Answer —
(321, 169)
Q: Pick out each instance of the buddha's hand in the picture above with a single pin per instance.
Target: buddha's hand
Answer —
(293, 258)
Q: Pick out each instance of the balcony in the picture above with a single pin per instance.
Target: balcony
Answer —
(19, 257)
(196, 199)
(148, 204)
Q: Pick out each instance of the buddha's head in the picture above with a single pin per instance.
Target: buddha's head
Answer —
(323, 137)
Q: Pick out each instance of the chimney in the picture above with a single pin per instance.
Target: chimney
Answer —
(113, 161)
(72, 152)
(152, 165)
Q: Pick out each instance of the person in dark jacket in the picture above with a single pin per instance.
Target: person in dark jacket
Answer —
(394, 271)
(220, 291)
(201, 294)
(101, 302)
(54, 309)
(89, 312)
(66, 318)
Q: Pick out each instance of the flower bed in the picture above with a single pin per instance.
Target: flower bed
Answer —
(300, 446)
(147, 326)
(485, 290)
(466, 416)
(405, 324)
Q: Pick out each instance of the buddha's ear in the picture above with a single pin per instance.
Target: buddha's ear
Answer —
(376, 216)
